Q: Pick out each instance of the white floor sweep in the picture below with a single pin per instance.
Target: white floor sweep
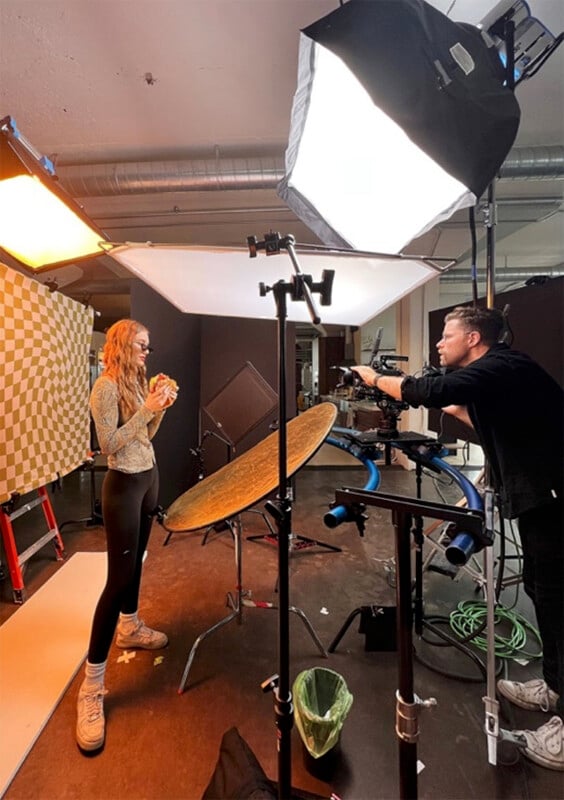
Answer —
(42, 646)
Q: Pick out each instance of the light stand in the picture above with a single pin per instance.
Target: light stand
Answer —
(95, 517)
(491, 704)
(299, 288)
(90, 464)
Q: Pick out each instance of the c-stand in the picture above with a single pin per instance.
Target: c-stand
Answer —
(403, 509)
(300, 288)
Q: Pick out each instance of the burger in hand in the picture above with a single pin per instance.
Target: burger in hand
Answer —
(163, 380)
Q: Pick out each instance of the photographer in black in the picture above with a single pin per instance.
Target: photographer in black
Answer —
(517, 410)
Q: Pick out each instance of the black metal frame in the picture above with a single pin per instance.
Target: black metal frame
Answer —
(403, 510)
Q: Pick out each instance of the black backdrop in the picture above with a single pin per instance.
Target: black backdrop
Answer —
(535, 318)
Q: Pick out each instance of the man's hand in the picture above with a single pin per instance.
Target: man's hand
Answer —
(367, 374)
(389, 384)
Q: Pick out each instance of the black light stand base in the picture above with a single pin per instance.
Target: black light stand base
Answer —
(377, 623)
(296, 543)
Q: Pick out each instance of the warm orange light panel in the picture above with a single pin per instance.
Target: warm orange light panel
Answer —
(38, 228)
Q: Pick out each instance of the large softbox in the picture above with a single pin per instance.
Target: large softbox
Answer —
(434, 85)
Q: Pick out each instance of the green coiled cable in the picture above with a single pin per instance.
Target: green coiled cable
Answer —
(470, 616)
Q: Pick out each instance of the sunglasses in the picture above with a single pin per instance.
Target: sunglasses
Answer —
(144, 347)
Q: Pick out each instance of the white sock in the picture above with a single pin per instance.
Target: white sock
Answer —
(94, 675)
(128, 620)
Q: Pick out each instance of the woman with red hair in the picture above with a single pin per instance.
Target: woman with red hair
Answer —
(127, 415)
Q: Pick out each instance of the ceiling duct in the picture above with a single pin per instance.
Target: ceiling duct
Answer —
(221, 174)
(190, 175)
(503, 275)
(534, 163)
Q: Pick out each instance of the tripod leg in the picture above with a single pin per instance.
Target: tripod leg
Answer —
(344, 629)
(236, 604)
(201, 637)
(304, 541)
(310, 629)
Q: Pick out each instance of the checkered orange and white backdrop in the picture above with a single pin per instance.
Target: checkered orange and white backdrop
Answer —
(44, 384)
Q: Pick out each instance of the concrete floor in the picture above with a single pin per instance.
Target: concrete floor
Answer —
(164, 745)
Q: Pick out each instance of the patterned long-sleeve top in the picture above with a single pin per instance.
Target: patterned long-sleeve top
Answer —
(127, 445)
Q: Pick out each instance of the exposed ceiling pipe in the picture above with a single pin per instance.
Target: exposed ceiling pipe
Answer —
(534, 163)
(196, 175)
(102, 180)
(502, 275)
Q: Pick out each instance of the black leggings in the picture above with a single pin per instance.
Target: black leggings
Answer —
(128, 503)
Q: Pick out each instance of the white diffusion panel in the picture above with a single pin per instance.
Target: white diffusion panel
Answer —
(225, 282)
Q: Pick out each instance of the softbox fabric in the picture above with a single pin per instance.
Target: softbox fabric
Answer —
(436, 78)
(44, 373)
(437, 82)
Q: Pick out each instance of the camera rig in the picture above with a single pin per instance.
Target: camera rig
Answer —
(390, 407)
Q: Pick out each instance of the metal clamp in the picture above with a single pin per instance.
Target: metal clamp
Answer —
(407, 717)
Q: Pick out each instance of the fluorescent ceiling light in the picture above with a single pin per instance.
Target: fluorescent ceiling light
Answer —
(225, 281)
(400, 118)
(40, 225)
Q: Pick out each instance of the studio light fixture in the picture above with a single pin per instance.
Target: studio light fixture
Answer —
(532, 42)
(40, 225)
(400, 118)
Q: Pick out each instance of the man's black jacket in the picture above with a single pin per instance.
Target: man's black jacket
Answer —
(517, 410)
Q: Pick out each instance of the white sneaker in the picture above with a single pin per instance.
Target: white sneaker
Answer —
(533, 695)
(545, 746)
(90, 724)
(141, 636)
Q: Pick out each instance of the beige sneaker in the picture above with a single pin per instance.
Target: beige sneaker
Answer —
(534, 695)
(141, 636)
(545, 746)
(90, 723)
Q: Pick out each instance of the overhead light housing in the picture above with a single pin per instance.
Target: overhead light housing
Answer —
(41, 226)
(532, 42)
(400, 118)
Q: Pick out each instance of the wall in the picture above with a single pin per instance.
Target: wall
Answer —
(367, 333)
(176, 339)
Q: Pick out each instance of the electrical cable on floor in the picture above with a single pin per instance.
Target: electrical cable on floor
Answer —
(430, 623)
(469, 621)
(469, 616)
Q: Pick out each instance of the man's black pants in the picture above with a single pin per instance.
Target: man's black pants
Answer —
(542, 538)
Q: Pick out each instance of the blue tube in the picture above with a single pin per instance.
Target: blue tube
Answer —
(463, 546)
(341, 514)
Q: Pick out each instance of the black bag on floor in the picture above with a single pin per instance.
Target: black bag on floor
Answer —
(238, 774)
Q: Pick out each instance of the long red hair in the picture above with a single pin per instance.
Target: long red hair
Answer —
(120, 366)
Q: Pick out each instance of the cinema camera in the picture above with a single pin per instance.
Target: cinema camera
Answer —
(390, 407)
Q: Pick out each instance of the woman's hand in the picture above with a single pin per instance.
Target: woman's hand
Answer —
(160, 398)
